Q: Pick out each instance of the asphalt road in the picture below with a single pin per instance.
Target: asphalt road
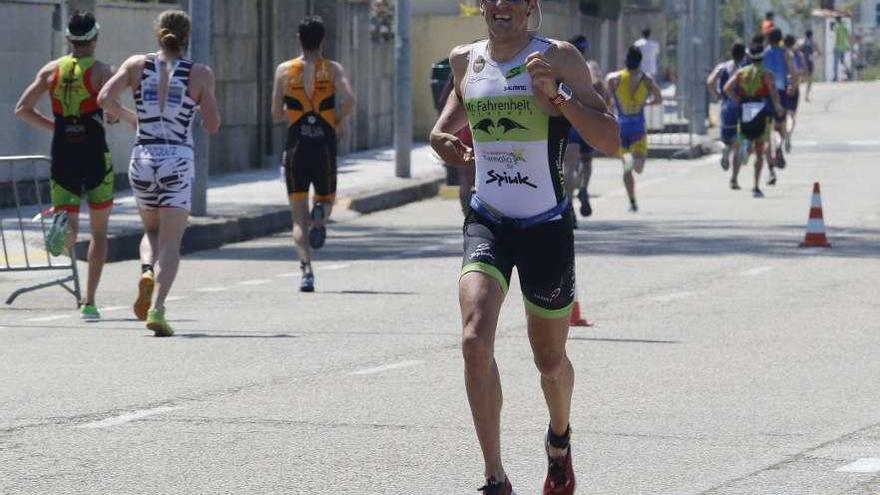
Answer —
(724, 359)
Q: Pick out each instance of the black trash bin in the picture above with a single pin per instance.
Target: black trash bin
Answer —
(440, 74)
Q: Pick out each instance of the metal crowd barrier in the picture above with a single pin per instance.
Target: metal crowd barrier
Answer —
(27, 253)
(675, 128)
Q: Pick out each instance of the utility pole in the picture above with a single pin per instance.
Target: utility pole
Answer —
(685, 58)
(200, 51)
(702, 34)
(403, 93)
(748, 28)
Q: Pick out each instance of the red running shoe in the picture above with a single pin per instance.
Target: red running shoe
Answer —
(560, 476)
(493, 487)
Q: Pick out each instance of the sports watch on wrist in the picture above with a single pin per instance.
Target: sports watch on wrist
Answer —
(563, 94)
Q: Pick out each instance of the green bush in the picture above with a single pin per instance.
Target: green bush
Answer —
(869, 74)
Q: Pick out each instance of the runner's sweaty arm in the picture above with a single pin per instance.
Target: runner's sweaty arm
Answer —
(26, 110)
(108, 97)
(654, 91)
(453, 116)
(280, 85)
(712, 81)
(586, 112)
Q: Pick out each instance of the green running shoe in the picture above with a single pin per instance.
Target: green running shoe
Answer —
(56, 234)
(89, 312)
(156, 322)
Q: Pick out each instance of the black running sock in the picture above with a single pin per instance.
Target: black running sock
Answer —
(146, 268)
(557, 441)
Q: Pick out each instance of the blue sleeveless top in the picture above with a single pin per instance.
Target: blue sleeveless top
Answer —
(774, 61)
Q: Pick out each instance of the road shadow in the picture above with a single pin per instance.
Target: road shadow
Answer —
(233, 336)
(370, 292)
(625, 341)
(347, 242)
(128, 320)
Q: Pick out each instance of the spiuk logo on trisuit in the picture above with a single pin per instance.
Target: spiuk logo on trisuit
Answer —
(506, 179)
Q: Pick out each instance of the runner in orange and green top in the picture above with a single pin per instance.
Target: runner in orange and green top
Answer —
(80, 156)
(750, 87)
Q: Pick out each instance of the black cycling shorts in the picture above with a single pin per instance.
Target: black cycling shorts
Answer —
(543, 256)
(80, 163)
(310, 161)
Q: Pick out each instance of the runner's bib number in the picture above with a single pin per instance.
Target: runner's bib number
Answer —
(751, 110)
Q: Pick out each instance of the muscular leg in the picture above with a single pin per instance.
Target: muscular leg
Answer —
(630, 184)
(299, 212)
(328, 209)
(759, 162)
(586, 170)
(638, 162)
(480, 298)
(782, 129)
(548, 337)
(172, 225)
(737, 160)
(150, 241)
(98, 220)
(72, 231)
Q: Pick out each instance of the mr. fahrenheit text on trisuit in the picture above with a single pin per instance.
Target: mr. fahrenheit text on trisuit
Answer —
(310, 152)
(518, 209)
(80, 157)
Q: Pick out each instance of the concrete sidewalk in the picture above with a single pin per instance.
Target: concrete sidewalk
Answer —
(251, 204)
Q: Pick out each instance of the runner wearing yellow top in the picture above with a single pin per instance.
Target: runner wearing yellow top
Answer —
(630, 89)
(305, 94)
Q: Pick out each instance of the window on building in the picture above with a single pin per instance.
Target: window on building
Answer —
(877, 14)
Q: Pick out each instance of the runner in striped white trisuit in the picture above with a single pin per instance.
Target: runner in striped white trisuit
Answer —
(167, 88)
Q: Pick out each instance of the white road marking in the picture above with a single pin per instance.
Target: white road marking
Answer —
(387, 367)
(48, 318)
(424, 249)
(672, 296)
(289, 274)
(339, 266)
(864, 143)
(212, 289)
(756, 271)
(175, 298)
(113, 308)
(798, 142)
(125, 418)
(255, 282)
(864, 465)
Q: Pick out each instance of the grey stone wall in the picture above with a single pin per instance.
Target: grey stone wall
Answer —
(249, 39)
(29, 42)
(235, 35)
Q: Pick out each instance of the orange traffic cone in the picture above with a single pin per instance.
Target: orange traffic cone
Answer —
(816, 224)
(575, 320)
